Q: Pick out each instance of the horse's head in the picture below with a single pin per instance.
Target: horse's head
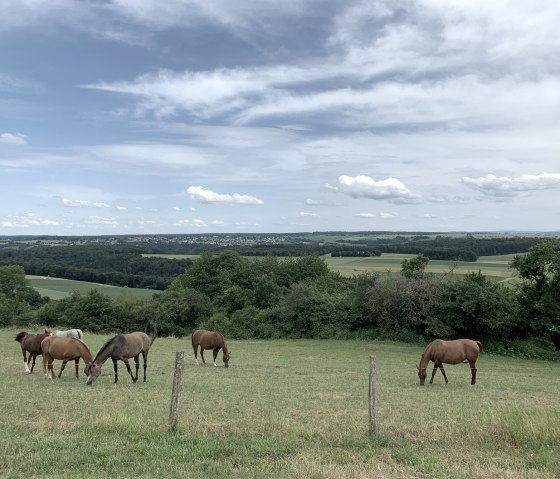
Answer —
(94, 370)
(421, 375)
(87, 369)
(226, 359)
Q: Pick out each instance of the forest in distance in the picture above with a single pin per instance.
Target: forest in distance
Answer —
(299, 296)
(126, 260)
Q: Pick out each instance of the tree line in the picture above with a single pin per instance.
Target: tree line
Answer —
(301, 298)
(121, 265)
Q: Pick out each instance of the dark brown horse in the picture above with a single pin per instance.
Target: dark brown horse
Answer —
(449, 352)
(123, 347)
(209, 340)
(31, 344)
(67, 349)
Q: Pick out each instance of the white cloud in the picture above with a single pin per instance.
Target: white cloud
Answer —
(305, 214)
(207, 196)
(83, 203)
(383, 216)
(104, 221)
(13, 139)
(504, 186)
(366, 187)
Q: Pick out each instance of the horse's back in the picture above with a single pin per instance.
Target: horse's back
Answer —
(454, 351)
(207, 339)
(135, 342)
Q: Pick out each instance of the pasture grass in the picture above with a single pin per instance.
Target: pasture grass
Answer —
(284, 409)
(495, 267)
(58, 288)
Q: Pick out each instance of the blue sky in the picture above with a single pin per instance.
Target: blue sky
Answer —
(201, 116)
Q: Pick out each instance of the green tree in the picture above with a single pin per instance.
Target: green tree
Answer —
(414, 268)
(16, 297)
(474, 308)
(539, 297)
(179, 311)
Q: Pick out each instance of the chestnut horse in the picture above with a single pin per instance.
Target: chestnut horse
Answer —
(209, 340)
(449, 352)
(31, 343)
(123, 347)
(67, 349)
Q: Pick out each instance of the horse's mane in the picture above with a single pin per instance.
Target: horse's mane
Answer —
(106, 345)
(20, 336)
(151, 330)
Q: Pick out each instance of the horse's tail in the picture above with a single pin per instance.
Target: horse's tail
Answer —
(151, 330)
(80, 334)
(20, 336)
(479, 345)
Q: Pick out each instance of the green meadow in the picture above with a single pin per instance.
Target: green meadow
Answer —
(495, 267)
(58, 288)
(283, 409)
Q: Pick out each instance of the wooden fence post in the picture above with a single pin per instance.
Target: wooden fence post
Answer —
(372, 380)
(176, 393)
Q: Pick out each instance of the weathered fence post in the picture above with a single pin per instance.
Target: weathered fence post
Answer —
(372, 380)
(177, 385)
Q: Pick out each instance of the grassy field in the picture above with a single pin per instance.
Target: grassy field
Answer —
(284, 409)
(496, 267)
(58, 288)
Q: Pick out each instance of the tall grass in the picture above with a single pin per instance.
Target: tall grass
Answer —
(284, 409)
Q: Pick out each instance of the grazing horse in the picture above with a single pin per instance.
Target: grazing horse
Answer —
(67, 349)
(209, 340)
(449, 352)
(31, 343)
(71, 333)
(124, 347)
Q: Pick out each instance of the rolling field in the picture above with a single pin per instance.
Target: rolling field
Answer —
(58, 288)
(284, 409)
(496, 267)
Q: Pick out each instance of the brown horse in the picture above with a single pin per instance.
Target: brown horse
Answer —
(67, 349)
(209, 340)
(123, 347)
(449, 352)
(31, 343)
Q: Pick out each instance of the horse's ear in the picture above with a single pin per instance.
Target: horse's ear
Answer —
(418, 367)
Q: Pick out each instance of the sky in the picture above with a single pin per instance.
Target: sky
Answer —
(262, 116)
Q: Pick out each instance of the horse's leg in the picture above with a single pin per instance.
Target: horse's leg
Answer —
(472, 364)
(49, 360)
(195, 349)
(145, 357)
(202, 355)
(137, 365)
(64, 361)
(215, 352)
(443, 372)
(127, 364)
(115, 367)
(25, 361)
(77, 366)
(32, 365)
(436, 366)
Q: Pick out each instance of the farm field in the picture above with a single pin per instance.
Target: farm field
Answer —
(492, 266)
(58, 288)
(496, 267)
(283, 409)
